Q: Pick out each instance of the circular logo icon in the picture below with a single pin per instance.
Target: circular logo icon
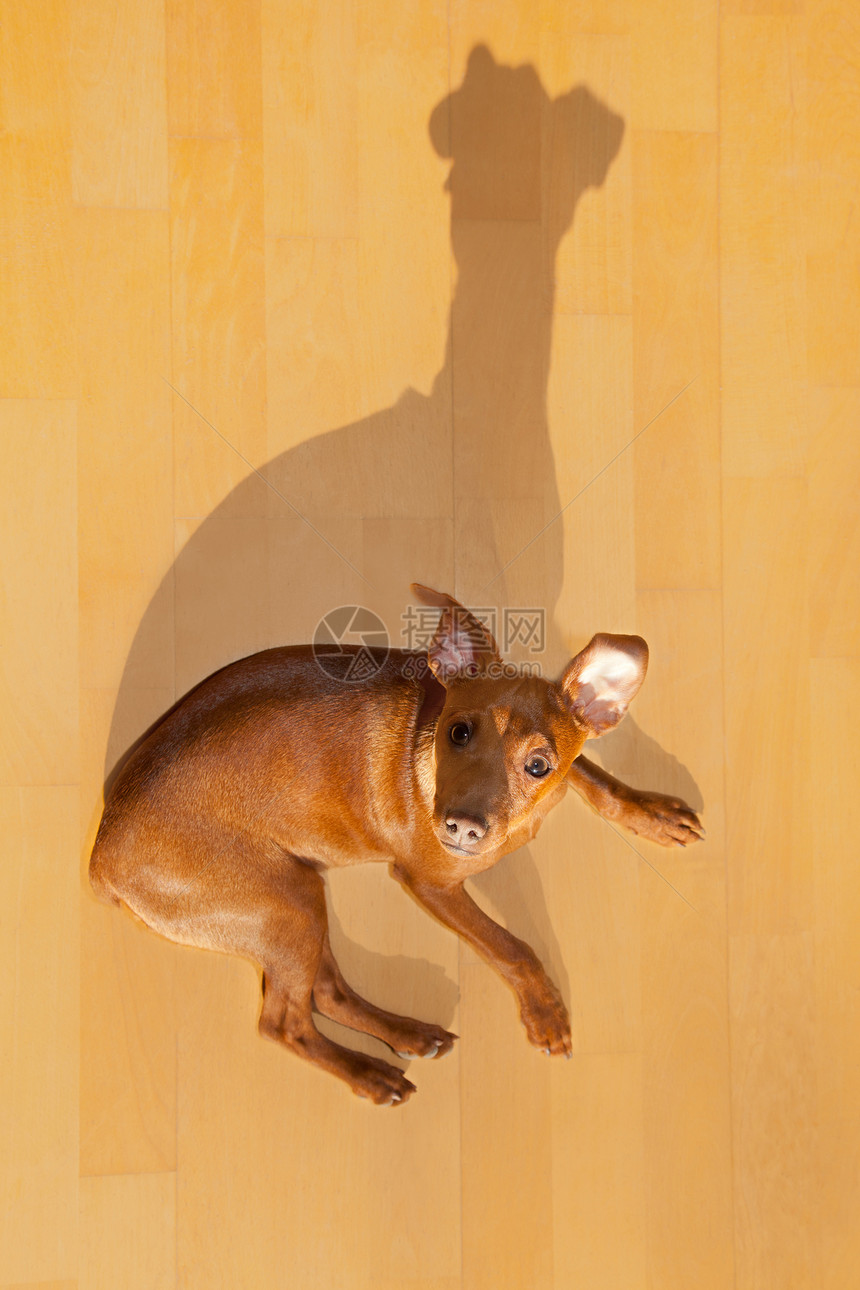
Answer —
(350, 643)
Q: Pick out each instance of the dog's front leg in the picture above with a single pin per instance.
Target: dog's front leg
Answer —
(542, 1009)
(662, 819)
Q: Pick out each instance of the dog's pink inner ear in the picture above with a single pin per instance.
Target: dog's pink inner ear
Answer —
(461, 646)
(603, 679)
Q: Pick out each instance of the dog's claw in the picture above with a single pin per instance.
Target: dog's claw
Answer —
(407, 1057)
(426, 1045)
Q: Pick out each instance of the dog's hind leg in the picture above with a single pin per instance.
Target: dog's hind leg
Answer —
(339, 1002)
(291, 936)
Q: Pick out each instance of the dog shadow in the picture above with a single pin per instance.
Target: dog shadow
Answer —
(353, 515)
(631, 755)
(356, 514)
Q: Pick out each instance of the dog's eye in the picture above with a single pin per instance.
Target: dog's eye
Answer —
(538, 767)
(460, 733)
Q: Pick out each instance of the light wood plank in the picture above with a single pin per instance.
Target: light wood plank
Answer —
(785, 1166)
(591, 418)
(587, 160)
(37, 357)
(213, 60)
(832, 154)
(41, 1285)
(507, 1212)
(38, 522)
(837, 960)
(128, 1079)
(509, 29)
(676, 360)
(33, 52)
(599, 1226)
(767, 707)
(218, 324)
(761, 8)
(309, 118)
(125, 445)
(762, 247)
(39, 1034)
(674, 65)
(128, 1231)
(834, 769)
(592, 428)
(125, 522)
(587, 926)
(128, 1072)
(834, 531)
(685, 1020)
(314, 380)
(778, 1194)
(404, 282)
(118, 104)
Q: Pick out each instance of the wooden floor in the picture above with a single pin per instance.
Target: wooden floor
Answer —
(552, 305)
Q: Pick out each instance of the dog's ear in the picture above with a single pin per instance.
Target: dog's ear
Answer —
(601, 681)
(462, 646)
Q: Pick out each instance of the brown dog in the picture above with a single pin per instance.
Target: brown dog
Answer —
(217, 828)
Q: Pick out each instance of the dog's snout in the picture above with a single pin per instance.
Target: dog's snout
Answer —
(465, 830)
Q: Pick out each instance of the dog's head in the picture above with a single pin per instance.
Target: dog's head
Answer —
(505, 739)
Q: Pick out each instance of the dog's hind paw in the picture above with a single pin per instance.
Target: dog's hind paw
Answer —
(424, 1040)
(380, 1083)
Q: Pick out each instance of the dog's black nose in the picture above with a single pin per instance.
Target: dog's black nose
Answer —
(464, 830)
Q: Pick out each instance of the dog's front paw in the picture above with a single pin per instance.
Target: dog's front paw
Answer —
(546, 1022)
(665, 820)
